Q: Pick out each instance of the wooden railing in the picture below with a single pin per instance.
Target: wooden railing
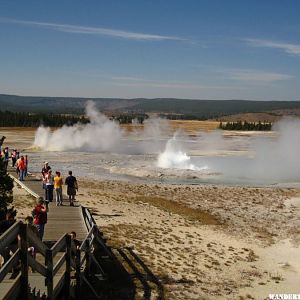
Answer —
(21, 281)
(96, 234)
(85, 254)
(21, 259)
(54, 264)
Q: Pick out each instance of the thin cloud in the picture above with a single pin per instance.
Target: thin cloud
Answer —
(95, 31)
(129, 78)
(255, 75)
(172, 85)
(293, 49)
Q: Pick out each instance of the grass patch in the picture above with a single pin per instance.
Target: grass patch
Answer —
(180, 209)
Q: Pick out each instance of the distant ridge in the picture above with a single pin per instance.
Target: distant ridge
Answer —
(202, 109)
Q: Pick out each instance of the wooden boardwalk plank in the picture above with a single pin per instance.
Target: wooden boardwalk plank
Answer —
(8, 286)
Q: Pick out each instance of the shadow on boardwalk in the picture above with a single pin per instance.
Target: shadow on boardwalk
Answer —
(127, 277)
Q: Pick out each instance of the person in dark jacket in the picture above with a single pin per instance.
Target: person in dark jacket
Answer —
(72, 187)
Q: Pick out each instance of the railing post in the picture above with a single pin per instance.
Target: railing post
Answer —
(88, 256)
(78, 278)
(24, 261)
(68, 267)
(49, 279)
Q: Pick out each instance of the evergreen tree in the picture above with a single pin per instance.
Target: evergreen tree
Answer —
(6, 191)
(246, 126)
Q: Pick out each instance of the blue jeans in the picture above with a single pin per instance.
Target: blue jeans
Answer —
(41, 229)
(22, 174)
(59, 196)
(49, 190)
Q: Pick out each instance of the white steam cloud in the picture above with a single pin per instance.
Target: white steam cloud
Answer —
(279, 158)
(261, 159)
(100, 134)
(103, 135)
(265, 158)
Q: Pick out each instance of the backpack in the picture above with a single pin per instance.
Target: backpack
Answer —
(41, 217)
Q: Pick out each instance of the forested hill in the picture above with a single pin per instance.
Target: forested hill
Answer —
(201, 109)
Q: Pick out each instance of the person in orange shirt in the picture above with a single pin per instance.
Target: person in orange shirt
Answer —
(58, 182)
(22, 167)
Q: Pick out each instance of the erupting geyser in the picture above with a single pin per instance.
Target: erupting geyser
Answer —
(175, 158)
(263, 158)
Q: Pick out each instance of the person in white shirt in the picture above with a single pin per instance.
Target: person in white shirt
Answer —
(49, 178)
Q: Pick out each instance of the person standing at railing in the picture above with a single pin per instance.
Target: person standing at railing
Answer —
(58, 183)
(39, 214)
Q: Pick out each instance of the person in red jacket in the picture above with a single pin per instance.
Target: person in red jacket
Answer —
(40, 216)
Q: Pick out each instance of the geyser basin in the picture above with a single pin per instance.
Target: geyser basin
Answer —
(102, 149)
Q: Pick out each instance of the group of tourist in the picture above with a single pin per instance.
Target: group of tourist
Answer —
(55, 183)
(18, 161)
(38, 219)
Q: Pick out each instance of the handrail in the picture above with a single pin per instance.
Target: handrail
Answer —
(9, 235)
(24, 186)
(84, 257)
(36, 241)
(13, 260)
(88, 236)
(59, 263)
(37, 266)
(49, 271)
(61, 243)
(92, 226)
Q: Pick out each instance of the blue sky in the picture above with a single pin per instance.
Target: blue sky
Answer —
(197, 49)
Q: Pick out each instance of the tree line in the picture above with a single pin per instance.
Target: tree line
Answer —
(130, 118)
(246, 126)
(23, 119)
(185, 117)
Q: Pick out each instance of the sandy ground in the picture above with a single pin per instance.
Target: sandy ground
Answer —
(23, 202)
(204, 241)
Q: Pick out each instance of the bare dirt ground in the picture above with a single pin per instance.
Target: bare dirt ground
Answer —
(203, 242)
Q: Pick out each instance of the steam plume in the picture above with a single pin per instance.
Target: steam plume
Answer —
(100, 134)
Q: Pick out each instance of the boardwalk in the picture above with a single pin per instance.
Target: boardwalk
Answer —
(58, 272)
(61, 219)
